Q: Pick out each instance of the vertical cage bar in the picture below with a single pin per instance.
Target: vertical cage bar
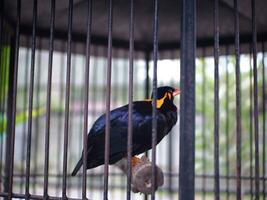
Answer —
(81, 119)
(1, 36)
(37, 120)
(204, 124)
(130, 99)
(12, 99)
(94, 97)
(187, 101)
(60, 124)
(108, 92)
(250, 124)
(216, 102)
(73, 112)
(155, 94)
(3, 70)
(9, 145)
(238, 102)
(25, 92)
(255, 95)
(227, 146)
(67, 102)
(29, 136)
(48, 97)
(147, 59)
(1, 24)
(86, 96)
(263, 123)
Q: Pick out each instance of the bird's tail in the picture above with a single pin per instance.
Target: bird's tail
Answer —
(80, 162)
(77, 167)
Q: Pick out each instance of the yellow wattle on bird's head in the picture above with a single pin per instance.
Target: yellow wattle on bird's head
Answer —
(165, 93)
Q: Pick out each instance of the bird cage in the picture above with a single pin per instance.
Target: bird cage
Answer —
(64, 63)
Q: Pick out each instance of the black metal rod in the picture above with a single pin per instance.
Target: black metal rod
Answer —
(86, 96)
(204, 145)
(67, 102)
(72, 111)
(2, 40)
(170, 152)
(37, 120)
(238, 102)
(60, 124)
(147, 85)
(108, 93)
(7, 70)
(9, 115)
(130, 99)
(3, 70)
(13, 102)
(227, 145)
(255, 94)
(48, 97)
(2, 7)
(94, 94)
(187, 101)
(216, 102)
(29, 136)
(25, 95)
(155, 94)
(81, 119)
(250, 124)
(263, 122)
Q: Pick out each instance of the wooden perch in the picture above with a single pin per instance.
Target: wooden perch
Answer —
(142, 174)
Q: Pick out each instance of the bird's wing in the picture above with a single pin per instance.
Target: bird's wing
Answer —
(118, 131)
(99, 125)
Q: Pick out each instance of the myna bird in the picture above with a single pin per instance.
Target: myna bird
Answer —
(142, 129)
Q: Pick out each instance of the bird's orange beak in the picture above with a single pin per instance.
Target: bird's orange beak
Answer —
(176, 92)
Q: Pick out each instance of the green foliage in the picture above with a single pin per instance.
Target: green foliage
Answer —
(205, 135)
(21, 117)
(4, 64)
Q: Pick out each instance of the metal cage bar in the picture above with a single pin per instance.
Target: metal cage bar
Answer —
(204, 145)
(263, 122)
(155, 94)
(216, 102)
(86, 96)
(108, 92)
(227, 123)
(238, 103)
(11, 110)
(187, 101)
(130, 99)
(251, 124)
(255, 97)
(67, 101)
(48, 98)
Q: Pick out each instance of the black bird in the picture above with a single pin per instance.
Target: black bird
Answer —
(142, 129)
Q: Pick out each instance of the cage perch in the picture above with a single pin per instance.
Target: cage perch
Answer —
(142, 174)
